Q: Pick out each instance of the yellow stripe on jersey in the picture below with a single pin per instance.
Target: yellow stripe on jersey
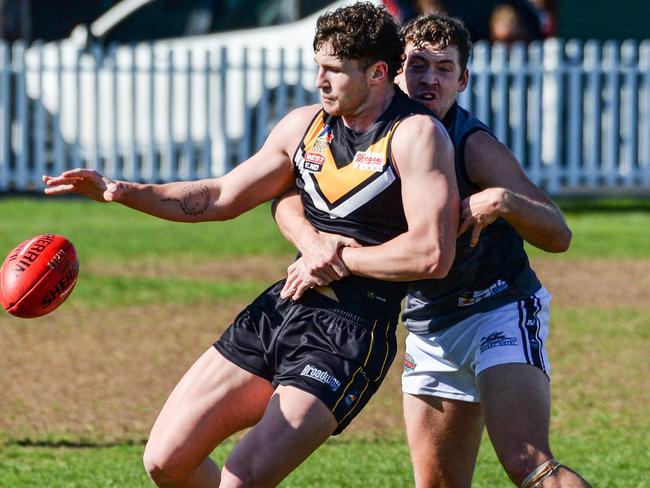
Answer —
(335, 183)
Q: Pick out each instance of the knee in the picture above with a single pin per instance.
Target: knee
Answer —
(159, 468)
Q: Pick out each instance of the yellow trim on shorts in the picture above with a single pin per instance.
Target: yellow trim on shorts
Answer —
(368, 383)
(381, 371)
(372, 342)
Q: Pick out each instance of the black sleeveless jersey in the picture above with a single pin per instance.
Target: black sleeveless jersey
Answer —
(349, 186)
(493, 273)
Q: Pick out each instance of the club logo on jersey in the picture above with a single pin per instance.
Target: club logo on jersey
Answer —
(409, 363)
(497, 339)
(471, 297)
(323, 140)
(322, 376)
(326, 134)
(315, 156)
(369, 161)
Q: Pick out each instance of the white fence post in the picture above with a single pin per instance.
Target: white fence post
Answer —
(644, 114)
(5, 115)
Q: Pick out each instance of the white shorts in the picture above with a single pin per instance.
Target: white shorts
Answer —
(446, 363)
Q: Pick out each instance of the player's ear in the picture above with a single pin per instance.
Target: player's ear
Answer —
(464, 80)
(378, 72)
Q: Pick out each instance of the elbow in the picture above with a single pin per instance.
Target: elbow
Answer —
(436, 264)
(561, 242)
(564, 241)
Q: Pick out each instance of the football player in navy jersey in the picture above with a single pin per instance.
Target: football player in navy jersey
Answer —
(476, 351)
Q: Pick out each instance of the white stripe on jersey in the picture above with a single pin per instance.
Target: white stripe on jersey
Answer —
(351, 203)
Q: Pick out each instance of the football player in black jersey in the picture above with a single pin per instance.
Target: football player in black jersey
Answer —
(372, 166)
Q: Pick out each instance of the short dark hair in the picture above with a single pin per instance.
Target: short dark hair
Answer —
(364, 32)
(439, 31)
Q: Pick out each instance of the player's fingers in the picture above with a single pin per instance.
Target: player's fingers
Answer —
(465, 223)
(300, 290)
(58, 190)
(349, 242)
(80, 173)
(328, 274)
(289, 284)
(339, 267)
(320, 279)
(340, 270)
(287, 290)
(476, 232)
(57, 180)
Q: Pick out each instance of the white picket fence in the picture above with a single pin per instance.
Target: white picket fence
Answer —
(577, 116)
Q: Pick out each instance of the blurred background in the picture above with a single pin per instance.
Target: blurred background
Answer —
(158, 90)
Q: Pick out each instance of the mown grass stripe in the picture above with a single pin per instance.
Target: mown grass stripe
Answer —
(102, 291)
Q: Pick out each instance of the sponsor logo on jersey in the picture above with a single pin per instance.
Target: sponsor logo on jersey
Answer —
(409, 363)
(322, 376)
(471, 297)
(497, 339)
(369, 161)
(314, 162)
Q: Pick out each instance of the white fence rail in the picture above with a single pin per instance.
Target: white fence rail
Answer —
(576, 115)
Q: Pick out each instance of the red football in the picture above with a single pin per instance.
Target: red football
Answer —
(38, 275)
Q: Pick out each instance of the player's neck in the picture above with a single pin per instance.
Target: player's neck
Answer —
(367, 113)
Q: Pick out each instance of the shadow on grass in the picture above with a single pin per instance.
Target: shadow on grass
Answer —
(583, 205)
(70, 444)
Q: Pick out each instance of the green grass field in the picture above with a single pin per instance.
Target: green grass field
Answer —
(77, 390)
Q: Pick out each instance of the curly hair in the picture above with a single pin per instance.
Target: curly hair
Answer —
(364, 32)
(439, 31)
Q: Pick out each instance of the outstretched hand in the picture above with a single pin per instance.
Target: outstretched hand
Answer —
(86, 182)
(480, 210)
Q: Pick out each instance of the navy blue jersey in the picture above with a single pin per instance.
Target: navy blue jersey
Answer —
(494, 272)
(349, 186)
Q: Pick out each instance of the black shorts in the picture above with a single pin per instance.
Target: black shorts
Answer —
(314, 345)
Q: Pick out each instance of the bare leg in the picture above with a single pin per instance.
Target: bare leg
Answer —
(444, 437)
(211, 402)
(294, 425)
(516, 407)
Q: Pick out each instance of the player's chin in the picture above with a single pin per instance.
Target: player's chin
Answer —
(431, 104)
(332, 108)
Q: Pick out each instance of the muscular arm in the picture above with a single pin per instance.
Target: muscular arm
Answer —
(265, 175)
(319, 250)
(425, 159)
(508, 193)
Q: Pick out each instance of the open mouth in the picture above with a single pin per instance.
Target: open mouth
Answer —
(427, 97)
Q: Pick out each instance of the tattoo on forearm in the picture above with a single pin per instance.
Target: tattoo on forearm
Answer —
(195, 201)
